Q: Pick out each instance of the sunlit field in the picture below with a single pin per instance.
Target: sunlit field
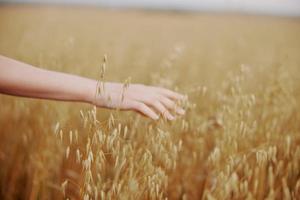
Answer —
(239, 139)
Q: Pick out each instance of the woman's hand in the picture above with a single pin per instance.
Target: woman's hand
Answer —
(20, 79)
(150, 101)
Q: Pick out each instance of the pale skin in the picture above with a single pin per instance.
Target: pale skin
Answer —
(20, 79)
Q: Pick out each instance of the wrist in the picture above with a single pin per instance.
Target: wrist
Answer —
(89, 92)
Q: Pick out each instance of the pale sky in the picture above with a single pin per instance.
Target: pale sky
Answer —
(274, 7)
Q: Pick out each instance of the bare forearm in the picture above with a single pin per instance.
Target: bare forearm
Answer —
(21, 79)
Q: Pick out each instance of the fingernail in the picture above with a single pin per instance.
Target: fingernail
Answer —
(181, 111)
(170, 117)
(156, 117)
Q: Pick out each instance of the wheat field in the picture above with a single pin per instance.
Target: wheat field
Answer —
(239, 139)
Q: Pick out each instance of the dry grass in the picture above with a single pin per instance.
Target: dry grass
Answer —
(240, 138)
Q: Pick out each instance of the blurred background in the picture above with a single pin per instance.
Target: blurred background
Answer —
(237, 60)
(264, 7)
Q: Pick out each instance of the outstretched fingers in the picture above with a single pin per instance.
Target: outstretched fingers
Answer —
(155, 101)
(170, 94)
(144, 109)
(161, 104)
(171, 105)
(162, 109)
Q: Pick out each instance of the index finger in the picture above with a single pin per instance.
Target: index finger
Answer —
(171, 94)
